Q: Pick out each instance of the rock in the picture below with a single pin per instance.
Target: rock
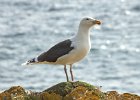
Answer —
(75, 90)
(15, 91)
(65, 88)
(66, 91)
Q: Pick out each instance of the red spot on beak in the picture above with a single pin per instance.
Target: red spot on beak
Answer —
(98, 22)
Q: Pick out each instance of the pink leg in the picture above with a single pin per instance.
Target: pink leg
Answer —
(66, 73)
(71, 72)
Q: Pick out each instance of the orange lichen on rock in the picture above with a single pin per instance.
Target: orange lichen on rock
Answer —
(66, 91)
(50, 96)
(15, 91)
(82, 93)
(112, 95)
(128, 96)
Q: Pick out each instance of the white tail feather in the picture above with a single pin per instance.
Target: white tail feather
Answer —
(30, 62)
(24, 64)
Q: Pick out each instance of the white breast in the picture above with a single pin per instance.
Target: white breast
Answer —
(79, 52)
(81, 44)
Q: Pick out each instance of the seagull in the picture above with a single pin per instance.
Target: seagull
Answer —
(70, 50)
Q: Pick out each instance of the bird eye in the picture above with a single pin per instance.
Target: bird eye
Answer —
(87, 18)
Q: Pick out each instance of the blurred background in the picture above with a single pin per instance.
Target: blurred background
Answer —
(28, 28)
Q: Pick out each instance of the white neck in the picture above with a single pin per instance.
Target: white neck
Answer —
(83, 33)
(82, 38)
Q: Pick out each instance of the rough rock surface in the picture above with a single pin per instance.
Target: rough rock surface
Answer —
(66, 91)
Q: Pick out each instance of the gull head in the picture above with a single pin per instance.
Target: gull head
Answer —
(89, 22)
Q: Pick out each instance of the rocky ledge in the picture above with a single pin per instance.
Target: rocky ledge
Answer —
(66, 91)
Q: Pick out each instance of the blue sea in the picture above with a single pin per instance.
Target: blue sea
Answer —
(29, 27)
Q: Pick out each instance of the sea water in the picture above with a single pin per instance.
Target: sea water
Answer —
(28, 28)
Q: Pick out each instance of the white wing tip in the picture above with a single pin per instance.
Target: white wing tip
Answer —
(24, 64)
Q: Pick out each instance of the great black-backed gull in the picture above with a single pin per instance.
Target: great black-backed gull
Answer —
(68, 51)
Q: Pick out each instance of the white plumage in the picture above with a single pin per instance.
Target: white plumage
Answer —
(69, 51)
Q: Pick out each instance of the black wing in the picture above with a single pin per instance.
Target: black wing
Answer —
(56, 51)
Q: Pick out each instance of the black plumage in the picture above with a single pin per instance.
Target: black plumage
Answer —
(56, 51)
